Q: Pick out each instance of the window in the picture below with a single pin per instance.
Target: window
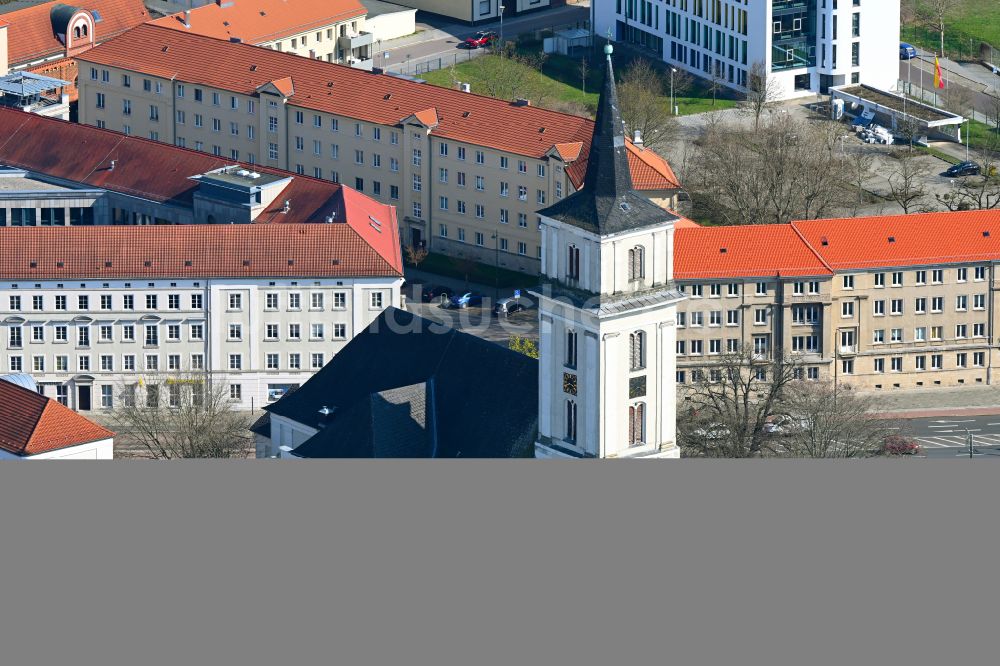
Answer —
(848, 282)
(921, 278)
(316, 332)
(294, 301)
(847, 309)
(980, 273)
(235, 392)
(340, 331)
(316, 361)
(962, 274)
(570, 435)
(637, 424)
(294, 331)
(235, 301)
(294, 362)
(316, 300)
(937, 332)
(878, 336)
(271, 361)
(197, 331)
(920, 362)
(637, 350)
(937, 276)
(128, 333)
(271, 301)
(979, 301)
(152, 336)
(540, 197)
(376, 299)
(937, 361)
(878, 308)
(235, 332)
(235, 362)
(920, 334)
(82, 336)
(920, 305)
(761, 289)
(961, 303)
(896, 306)
(961, 331)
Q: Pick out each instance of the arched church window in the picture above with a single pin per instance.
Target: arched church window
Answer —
(637, 350)
(637, 424)
(76, 32)
(571, 420)
(573, 263)
(636, 263)
(570, 349)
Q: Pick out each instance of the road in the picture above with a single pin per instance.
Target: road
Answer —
(920, 72)
(437, 38)
(945, 436)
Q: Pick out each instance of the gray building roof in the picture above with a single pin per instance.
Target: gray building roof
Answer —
(409, 387)
(608, 202)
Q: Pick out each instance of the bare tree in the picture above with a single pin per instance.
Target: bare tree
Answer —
(642, 105)
(859, 165)
(762, 92)
(510, 75)
(906, 182)
(185, 416)
(830, 423)
(415, 255)
(937, 13)
(723, 411)
(978, 192)
(784, 170)
(584, 69)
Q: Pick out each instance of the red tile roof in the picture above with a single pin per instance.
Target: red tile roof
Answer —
(818, 247)
(30, 35)
(82, 154)
(353, 93)
(31, 423)
(743, 251)
(905, 240)
(200, 251)
(259, 21)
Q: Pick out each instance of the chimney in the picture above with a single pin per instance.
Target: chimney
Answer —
(187, 18)
(287, 206)
(520, 101)
(637, 138)
(112, 167)
(465, 87)
(326, 415)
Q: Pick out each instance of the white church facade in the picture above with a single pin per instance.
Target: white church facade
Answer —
(607, 308)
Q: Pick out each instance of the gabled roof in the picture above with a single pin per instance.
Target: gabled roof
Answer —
(260, 21)
(766, 250)
(30, 34)
(345, 91)
(31, 423)
(608, 202)
(437, 392)
(905, 240)
(821, 247)
(83, 154)
(351, 249)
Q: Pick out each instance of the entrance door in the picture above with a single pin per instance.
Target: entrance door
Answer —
(416, 237)
(83, 398)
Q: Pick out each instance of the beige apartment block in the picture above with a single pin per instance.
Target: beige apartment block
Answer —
(880, 303)
(467, 173)
(328, 30)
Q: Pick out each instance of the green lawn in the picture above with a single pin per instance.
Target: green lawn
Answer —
(975, 21)
(562, 78)
(982, 136)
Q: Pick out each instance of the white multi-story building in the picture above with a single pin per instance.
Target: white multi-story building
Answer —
(128, 262)
(607, 309)
(805, 46)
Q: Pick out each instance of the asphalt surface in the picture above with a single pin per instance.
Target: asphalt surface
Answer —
(920, 72)
(947, 437)
(439, 38)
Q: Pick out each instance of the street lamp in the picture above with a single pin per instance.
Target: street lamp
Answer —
(673, 108)
(502, 7)
(496, 267)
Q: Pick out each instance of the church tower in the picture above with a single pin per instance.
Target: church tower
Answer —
(607, 305)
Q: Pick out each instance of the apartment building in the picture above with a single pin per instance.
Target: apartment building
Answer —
(479, 11)
(131, 262)
(45, 37)
(333, 31)
(467, 173)
(805, 46)
(902, 301)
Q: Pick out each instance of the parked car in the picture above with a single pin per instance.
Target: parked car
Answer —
(712, 431)
(907, 51)
(898, 445)
(508, 306)
(432, 293)
(465, 300)
(480, 39)
(784, 424)
(963, 169)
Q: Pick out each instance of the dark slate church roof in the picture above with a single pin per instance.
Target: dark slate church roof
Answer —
(608, 203)
(410, 387)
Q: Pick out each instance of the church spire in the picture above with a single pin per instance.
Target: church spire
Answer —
(608, 172)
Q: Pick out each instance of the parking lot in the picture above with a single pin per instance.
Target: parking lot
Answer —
(478, 320)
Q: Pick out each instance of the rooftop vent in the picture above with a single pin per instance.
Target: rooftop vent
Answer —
(189, 263)
(520, 101)
(33, 264)
(236, 40)
(466, 114)
(246, 262)
(541, 130)
(253, 68)
(824, 241)
(60, 264)
(335, 262)
(625, 207)
(986, 234)
(722, 250)
(147, 264)
(465, 87)
(291, 262)
(113, 164)
(387, 97)
(165, 49)
(326, 414)
(892, 239)
(287, 206)
(107, 264)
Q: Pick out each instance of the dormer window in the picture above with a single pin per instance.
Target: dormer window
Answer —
(636, 263)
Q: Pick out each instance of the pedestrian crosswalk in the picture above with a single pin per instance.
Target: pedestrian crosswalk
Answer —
(953, 441)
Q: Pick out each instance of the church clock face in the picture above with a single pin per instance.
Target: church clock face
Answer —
(569, 383)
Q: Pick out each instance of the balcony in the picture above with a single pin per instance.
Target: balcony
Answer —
(848, 350)
(360, 63)
(353, 42)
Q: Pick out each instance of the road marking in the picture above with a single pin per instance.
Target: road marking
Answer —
(958, 421)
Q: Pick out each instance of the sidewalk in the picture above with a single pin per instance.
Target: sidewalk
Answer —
(950, 401)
